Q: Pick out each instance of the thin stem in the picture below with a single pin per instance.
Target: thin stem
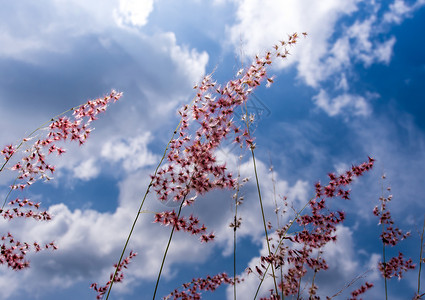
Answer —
(140, 209)
(166, 249)
(143, 201)
(299, 287)
(8, 194)
(262, 214)
(383, 244)
(314, 276)
(234, 262)
(420, 258)
(248, 120)
(277, 219)
(347, 285)
(281, 241)
(236, 222)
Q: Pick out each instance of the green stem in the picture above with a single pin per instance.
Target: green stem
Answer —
(420, 258)
(277, 219)
(264, 218)
(234, 234)
(8, 194)
(383, 244)
(280, 243)
(141, 205)
(166, 250)
(140, 209)
(299, 287)
(385, 266)
(234, 261)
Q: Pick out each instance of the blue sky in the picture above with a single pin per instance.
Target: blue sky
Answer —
(353, 88)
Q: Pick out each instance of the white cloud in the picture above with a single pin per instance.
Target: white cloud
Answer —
(332, 47)
(87, 170)
(133, 12)
(342, 103)
(18, 46)
(365, 48)
(155, 73)
(399, 11)
(132, 152)
(53, 26)
(281, 18)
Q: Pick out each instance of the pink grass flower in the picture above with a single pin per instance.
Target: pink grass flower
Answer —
(33, 166)
(193, 167)
(361, 290)
(193, 289)
(101, 290)
(316, 229)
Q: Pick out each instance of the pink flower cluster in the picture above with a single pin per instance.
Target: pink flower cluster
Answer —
(190, 225)
(101, 290)
(361, 290)
(396, 266)
(193, 166)
(316, 230)
(33, 165)
(13, 252)
(193, 289)
(391, 236)
(16, 211)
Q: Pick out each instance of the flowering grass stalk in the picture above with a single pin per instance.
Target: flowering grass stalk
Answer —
(237, 221)
(317, 229)
(34, 166)
(117, 276)
(421, 261)
(192, 167)
(264, 218)
(390, 236)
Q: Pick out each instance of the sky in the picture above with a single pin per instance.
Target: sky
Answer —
(352, 89)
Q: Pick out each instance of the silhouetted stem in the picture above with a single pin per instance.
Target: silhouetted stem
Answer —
(420, 258)
(140, 209)
(166, 250)
(262, 214)
(280, 242)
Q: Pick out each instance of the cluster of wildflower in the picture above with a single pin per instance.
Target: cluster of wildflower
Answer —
(33, 166)
(391, 236)
(192, 290)
(13, 252)
(361, 290)
(396, 266)
(16, 211)
(117, 276)
(318, 229)
(192, 163)
(190, 225)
